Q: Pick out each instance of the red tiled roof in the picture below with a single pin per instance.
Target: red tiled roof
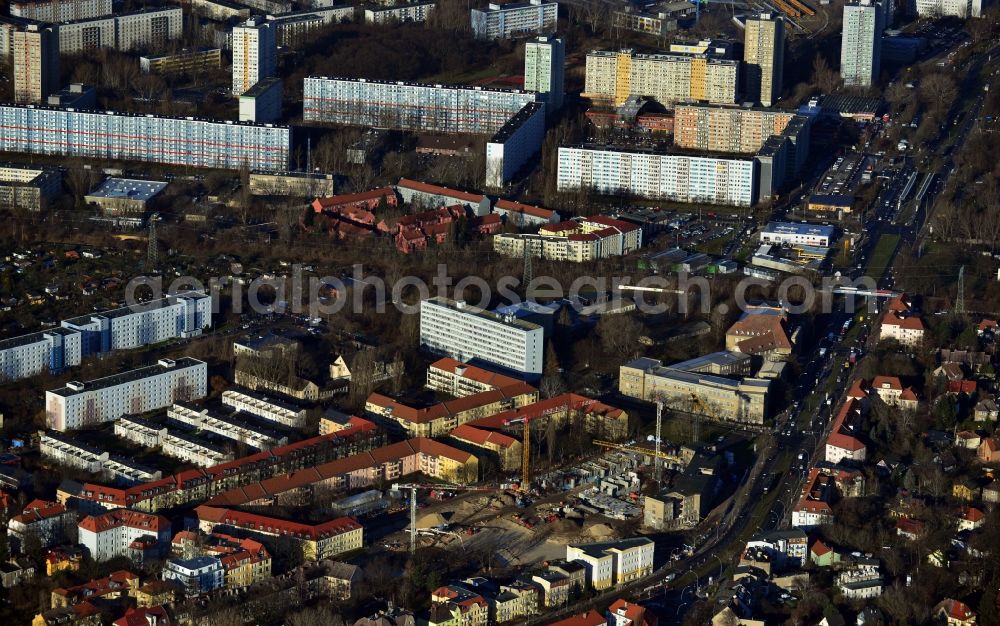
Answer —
(439, 190)
(762, 325)
(482, 437)
(909, 526)
(988, 324)
(858, 389)
(545, 407)
(898, 303)
(38, 510)
(138, 493)
(590, 618)
(620, 225)
(962, 386)
(137, 617)
(116, 582)
(124, 517)
(335, 201)
(450, 407)
(972, 514)
(908, 395)
(819, 548)
(472, 372)
(886, 382)
(341, 467)
(635, 613)
(518, 207)
(911, 322)
(274, 526)
(559, 227)
(584, 237)
(956, 609)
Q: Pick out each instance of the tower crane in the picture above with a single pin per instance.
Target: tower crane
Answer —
(526, 419)
(414, 487)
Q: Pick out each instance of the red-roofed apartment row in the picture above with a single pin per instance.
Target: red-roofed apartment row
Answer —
(388, 463)
(602, 420)
(200, 484)
(318, 541)
(440, 419)
(368, 200)
(428, 195)
(507, 449)
(521, 215)
(461, 379)
(813, 508)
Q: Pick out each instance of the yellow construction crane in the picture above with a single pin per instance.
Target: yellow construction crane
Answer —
(526, 419)
(624, 447)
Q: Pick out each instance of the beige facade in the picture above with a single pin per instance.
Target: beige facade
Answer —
(35, 63)
(727, 129)
(189, 61)
(669, 78)
(763, 58)
(729, 399)
(27, 187)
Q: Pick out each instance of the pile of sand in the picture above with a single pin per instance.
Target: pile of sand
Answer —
(600, 532)
(431, 520)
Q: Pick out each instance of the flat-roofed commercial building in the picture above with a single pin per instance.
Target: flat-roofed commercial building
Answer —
(795, 234)
(705, 75)
(188, 61)
(410, 106)
(468, 333)
(82, 404)
(27, 187)
(730, 399)
(184, 141)
(680, 177)
(503, 21)
(410, 12)
(122, 196)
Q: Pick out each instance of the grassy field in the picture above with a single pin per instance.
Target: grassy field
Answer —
(882, 255)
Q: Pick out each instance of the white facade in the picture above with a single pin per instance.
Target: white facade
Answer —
(172, 140)
(152, 27)
(63, 450)
(230, 427)
(410, 106)
(149, 27)
(82, 404)
(779, 233)
(60, 10)
(192, 449)
(503, 21)
(948, 8)
(677, 177)
(544, 70)
(140, 431)
(614, 563)
(514, 144)
(464, 333)
(414, 12)
(272, 410)
(181, 316)
(255, 54)
(47, 351)
(861, 43)
(110, 534)
(197, 576)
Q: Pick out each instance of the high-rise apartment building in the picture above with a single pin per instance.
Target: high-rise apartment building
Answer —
(763, 58)
(467, 333)
(861, 45)
(185, 141)
(702, 75)
(410, 106)
(544, 70)
(717, 128)
(504, 21)
(36, 63)
(728, 181)
(255, 54)
(60, 10)
(150, 27)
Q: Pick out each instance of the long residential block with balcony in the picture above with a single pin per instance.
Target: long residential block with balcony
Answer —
(90, 403)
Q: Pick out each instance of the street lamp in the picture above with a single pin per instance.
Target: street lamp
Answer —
(721, 565)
